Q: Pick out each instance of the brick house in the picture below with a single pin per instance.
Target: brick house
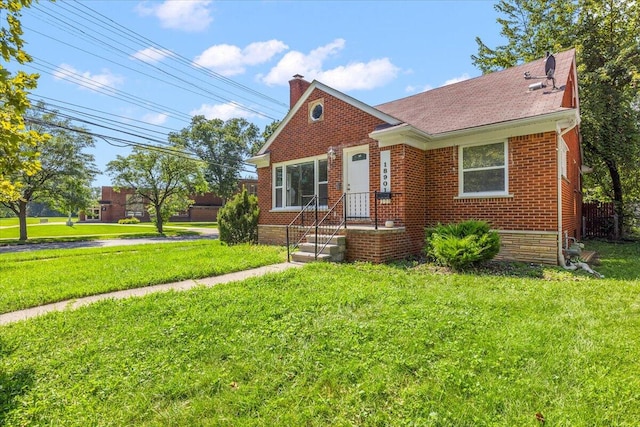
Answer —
(503, 147)
(115, 205)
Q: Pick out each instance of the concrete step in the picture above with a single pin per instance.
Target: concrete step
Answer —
(329, 249)
(305, 257)
(335, 240)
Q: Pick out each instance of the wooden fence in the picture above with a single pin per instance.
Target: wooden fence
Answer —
(599, 220)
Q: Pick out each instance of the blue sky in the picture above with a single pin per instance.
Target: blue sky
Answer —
(148, 66)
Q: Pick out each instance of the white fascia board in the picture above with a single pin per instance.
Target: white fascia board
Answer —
(337, 94)
(358, 104)
(260, 160)
(402, 134)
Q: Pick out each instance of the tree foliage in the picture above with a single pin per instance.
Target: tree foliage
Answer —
(605, 35)
(223, 145)
(18, 153)
(65, 169)
(238, 219)
(164, 179)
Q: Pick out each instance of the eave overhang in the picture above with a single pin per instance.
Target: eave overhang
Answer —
(410, 135)
(261, 160)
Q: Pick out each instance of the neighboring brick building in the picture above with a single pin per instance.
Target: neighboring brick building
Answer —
(116, 205)
(499, 147)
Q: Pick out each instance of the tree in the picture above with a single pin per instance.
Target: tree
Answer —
(532, 28)
(223, 145)
(62, 161)
(266, 134)
(73, 195)
(604, 34)
(18, 152)
(238, 219)
(164, 178)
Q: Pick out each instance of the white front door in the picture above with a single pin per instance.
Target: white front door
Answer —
(357, 182)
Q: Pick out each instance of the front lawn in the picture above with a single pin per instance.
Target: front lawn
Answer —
(341, 345)
(29, 279)
(63, 232)
(12, 221)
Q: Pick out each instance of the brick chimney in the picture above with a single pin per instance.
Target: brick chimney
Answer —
(297, 86)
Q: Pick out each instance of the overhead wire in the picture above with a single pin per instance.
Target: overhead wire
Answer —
(165, 146)
(87, 83)
(73, 28)
(186, 60)
(82, 111)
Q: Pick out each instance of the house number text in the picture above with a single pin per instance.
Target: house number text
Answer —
(385, 171)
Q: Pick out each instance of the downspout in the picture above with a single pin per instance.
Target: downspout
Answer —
(559, 148)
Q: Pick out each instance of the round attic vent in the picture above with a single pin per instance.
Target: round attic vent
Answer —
(316, 112)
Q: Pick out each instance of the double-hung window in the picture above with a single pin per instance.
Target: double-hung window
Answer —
(483, 170)
(295, 183)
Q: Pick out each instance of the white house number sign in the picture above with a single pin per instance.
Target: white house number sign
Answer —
(385, 171)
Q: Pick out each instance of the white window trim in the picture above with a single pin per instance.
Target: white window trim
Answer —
(488, 194)
(284, 165)
(564, 150)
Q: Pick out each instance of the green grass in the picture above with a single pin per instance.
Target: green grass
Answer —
(35, 278)
(192, 224)
(341, 345)
(6, 222)
(38, 232)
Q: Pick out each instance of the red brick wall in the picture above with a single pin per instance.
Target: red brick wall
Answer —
(205, 208)
(342, 126)
(532, 182)
(571, 188)
(379, 246)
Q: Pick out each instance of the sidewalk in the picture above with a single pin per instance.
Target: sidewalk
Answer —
(177, 286)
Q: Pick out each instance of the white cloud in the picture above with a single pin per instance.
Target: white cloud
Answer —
(417, 89)
(185, 15)
(222, 111)
(87, 80)
(152, 54)
(356, 75)
(372, 74)
(230, 60)
(462, 78)
(155, 119)
(294, 62)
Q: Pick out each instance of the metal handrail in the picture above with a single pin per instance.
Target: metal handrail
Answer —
(336, 227)
(305, 208)
(323, 224)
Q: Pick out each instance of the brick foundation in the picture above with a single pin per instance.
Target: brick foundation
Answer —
(378, 246)
(529, 246)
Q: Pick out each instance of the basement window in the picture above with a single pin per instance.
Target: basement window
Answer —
(483, 170)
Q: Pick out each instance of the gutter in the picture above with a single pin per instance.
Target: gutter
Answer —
(571, 125)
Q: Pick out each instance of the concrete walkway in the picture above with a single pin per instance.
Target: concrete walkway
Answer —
(177, 286)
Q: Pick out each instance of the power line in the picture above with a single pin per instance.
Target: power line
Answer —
(73, 27)
(55, 104)
(71, 76)
(171, 150)
(188, 62)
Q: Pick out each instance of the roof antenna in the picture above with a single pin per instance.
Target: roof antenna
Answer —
(549, 71)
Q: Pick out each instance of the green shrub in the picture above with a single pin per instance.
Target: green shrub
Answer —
(463, 244)
(131, 220)
(238, 219)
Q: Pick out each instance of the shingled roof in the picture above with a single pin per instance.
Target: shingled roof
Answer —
(498, 97)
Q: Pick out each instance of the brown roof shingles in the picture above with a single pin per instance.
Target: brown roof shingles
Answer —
(492, 98)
